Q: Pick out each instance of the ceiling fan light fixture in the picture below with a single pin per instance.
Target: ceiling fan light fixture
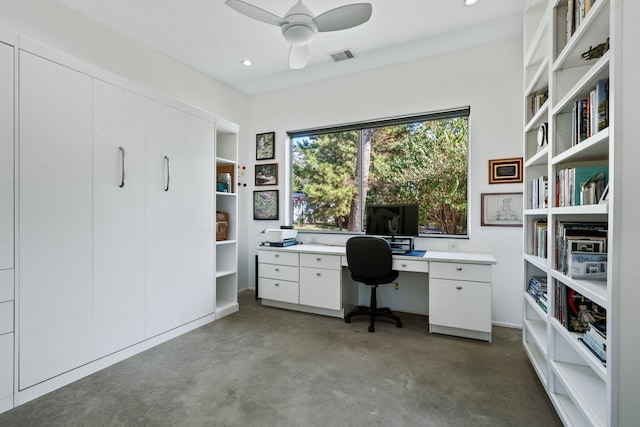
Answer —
(470, 2)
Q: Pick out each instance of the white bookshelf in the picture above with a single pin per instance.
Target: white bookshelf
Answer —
(226, 251)
(583, 390)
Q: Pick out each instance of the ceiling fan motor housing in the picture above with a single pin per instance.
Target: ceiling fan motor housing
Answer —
(299, 30)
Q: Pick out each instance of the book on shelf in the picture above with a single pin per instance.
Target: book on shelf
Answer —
(539, 192)
(587, 266)
(591, 114)
(600, 354)
(581, 185)
(581, 311)
(569, 236)
(539, 240)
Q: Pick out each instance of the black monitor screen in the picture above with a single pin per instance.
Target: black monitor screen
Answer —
(392, 220)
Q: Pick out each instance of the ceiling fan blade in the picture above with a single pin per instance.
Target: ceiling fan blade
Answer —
(255, 12)
(343, 17)
(298, 56)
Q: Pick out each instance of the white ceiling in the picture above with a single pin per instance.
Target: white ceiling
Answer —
(213, 38)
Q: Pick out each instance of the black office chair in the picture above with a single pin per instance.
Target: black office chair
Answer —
(370, 260)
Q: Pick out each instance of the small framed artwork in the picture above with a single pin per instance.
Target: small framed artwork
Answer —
(265, 205)
(505, 171)
(266, 174)
(265, 146)
(501, 209)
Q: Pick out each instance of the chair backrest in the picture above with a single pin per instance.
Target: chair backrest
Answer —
(369, 257)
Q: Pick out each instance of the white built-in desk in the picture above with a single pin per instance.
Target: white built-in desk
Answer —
(312, 278)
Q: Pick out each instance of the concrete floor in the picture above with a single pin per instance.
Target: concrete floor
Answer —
(270, 367)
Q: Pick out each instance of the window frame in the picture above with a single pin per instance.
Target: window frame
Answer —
(390, 121)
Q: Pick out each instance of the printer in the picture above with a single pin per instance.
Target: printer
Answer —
(280, 237)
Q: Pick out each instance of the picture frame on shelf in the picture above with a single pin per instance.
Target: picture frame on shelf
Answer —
(505, 171)
(266, 174)
(266, 205)
(501, 209)
(265, 146)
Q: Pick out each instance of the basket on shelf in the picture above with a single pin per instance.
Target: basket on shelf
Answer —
(222, 224)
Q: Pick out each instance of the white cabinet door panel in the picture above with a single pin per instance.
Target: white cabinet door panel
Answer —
(55, 219)
(198, 227)
(6, 156)
(320, 288)
(118, 218)
(460, 304)
(164, 239)
(6, 365)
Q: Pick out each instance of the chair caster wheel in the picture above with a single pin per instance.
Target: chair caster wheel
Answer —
(371, 328)
(347, 320)
(399, 325)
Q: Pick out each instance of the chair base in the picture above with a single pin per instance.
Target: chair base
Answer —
(378, 312)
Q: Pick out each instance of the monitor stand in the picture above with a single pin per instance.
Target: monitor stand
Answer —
(400, 245)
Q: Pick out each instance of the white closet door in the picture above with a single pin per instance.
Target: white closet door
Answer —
(164, 146)
(118, 218)
(198, 210)
(6, 156)
(55, 219)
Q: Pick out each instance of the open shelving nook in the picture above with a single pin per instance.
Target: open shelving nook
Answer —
(226, 251)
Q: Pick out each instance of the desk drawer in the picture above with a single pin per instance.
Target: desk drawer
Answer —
(331, 262)
(275, 257)
(6, 317)
(279, 272)
(320, 287)
(460, 271)
(278, 290)
(410, 265)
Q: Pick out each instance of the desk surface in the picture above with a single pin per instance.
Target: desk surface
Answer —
(444, 256)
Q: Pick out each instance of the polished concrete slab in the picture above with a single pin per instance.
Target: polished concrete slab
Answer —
(270, 367)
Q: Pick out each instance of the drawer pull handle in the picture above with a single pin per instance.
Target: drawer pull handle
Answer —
(277, 256)
(318, 259)
(459, 268)
(277, 284)
(318, 274)
(458, 287)
(404, 265)
(277, 269)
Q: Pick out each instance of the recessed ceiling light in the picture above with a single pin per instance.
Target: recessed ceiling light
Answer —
(246, 62)
(470, 2)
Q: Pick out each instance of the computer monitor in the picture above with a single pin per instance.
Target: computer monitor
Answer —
(392, 220)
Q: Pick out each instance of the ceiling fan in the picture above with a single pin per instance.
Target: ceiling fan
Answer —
(299, 26)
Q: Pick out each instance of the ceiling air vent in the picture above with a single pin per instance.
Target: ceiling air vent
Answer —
(342, 55)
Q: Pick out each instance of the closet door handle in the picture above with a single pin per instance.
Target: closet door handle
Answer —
(166, 159)
(123, 157)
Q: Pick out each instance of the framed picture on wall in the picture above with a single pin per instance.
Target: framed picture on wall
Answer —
(505, 171)
(265, 205)
(265, 146)
(501, 209)
(266, 174)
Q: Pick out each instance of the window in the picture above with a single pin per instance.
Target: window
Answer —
(420, 159)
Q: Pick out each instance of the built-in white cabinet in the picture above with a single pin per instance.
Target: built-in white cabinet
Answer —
(55, 226)
(320, 281)
(118, 218)
(467, 287)
(573, 54)
(117, 195)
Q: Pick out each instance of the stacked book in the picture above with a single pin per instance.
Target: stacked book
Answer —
(538, 290)
(581, 249)
(595, 339)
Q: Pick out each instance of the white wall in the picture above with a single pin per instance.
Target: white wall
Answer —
(487, 78)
